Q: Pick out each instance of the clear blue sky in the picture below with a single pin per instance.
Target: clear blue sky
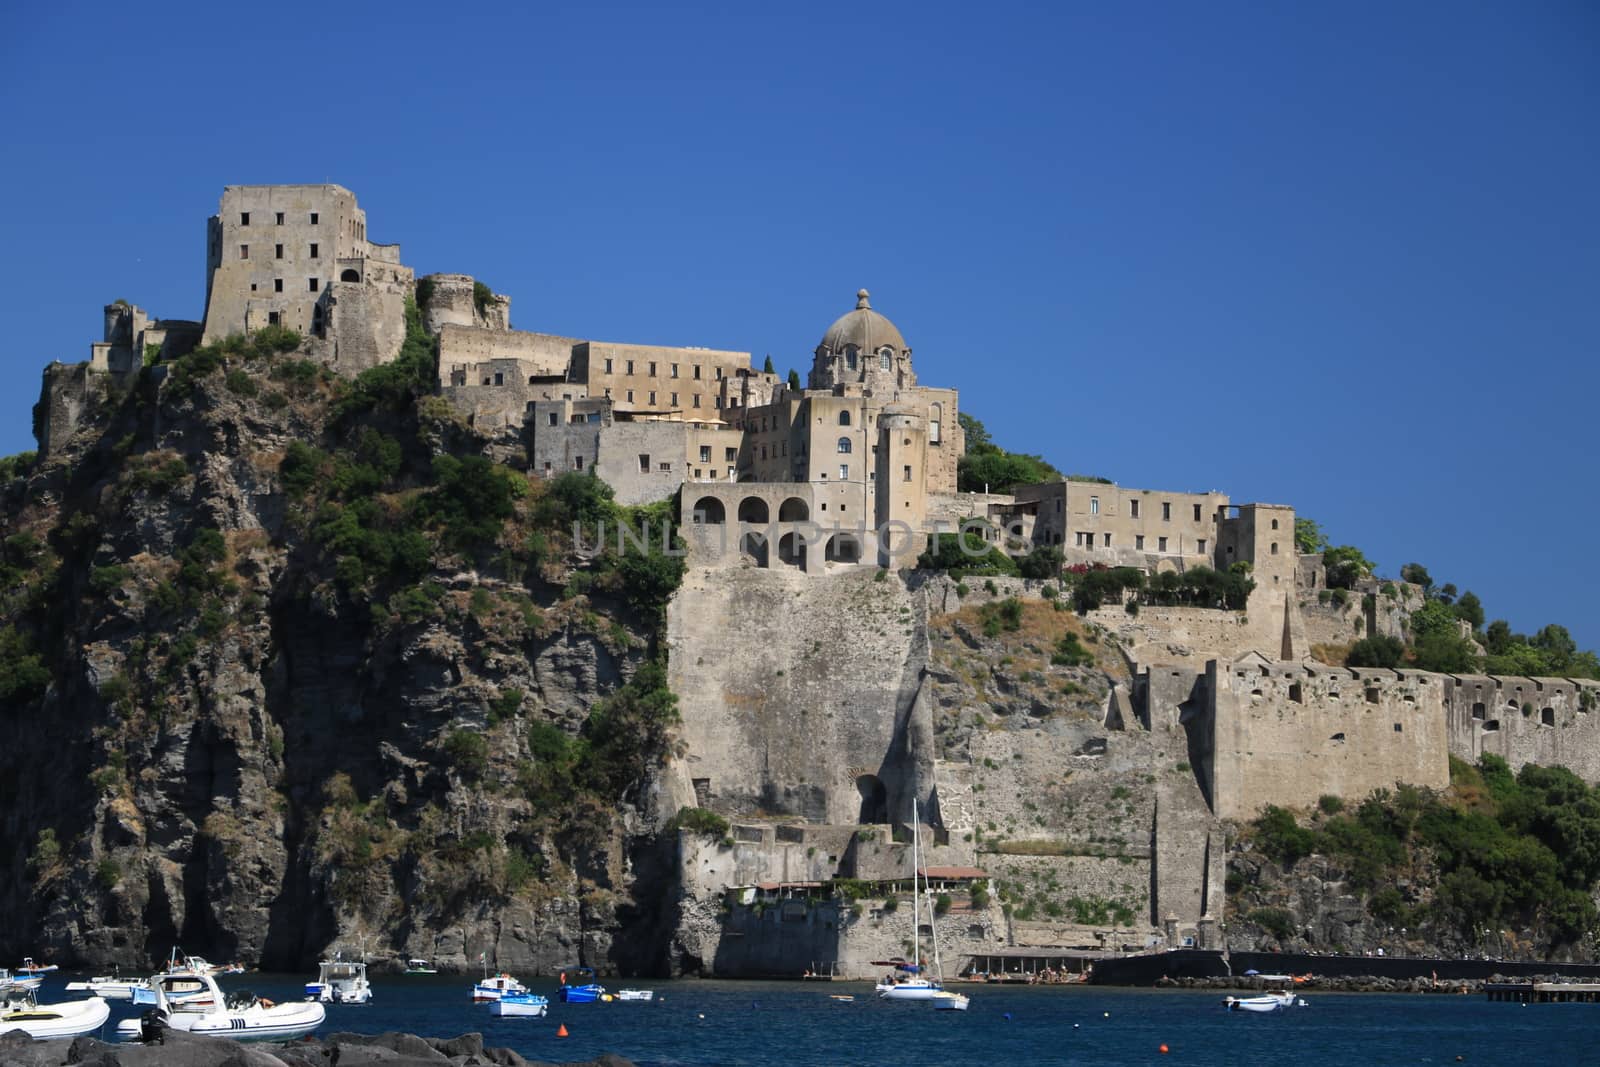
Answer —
(1344, 257)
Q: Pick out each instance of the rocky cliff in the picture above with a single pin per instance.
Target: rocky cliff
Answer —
(287, 664)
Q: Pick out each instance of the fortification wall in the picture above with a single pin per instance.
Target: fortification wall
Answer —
(1285, 734)
(1548, 721)
(818, 717)
(464, 349)
(366, 327)
(66, 396)
(451, 301)
(1180, 635)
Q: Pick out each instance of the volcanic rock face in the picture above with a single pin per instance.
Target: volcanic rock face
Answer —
(244, 743)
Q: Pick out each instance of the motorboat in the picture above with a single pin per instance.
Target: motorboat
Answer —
(420, 966)
(340, 981)
(1272, 1000)
(519, 1005)
(242, 1016)
(636, 994)
(584, 992)
(944, 1000)
(16, 983)
(44, 1021)
(109, 986)
(909, 989)
(184, 991)
(493, 987)
(30, 968)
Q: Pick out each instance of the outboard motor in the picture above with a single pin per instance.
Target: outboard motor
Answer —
(153, 1027)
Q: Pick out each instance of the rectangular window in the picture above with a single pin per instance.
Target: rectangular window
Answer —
(279, 218)
(1133, 508)
(844, 472)
(1166, 512)
(652, 397)
(1138, 542)
(277, 251)
(705, 453)
(644, 463)
(552, 418)
(907, 473)
(1197, 513)
(499, 376)
(630, 396)
(313, 250)
(717, 373)
(1201, 547)
(652, 368)
(608, 366)
(1058, 505)
(674, 370)
(313, 218)
(697, 400)
(277, 285)
(1080, 539)
(730, 454)
(697, 371)
(313, 283)
(577, 463)
(244, 218)
(1108, 540)
(1094, 505)
(244, 251)
(674, 399)
(733, 475)
(630, 366)
(1161, 545)
(272, 318)
(666, 468)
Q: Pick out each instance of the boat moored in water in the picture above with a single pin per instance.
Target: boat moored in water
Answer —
(636, 994)
(420, 966)
(584, 992)
(241, 1016)
(30, 968)
(340, 981)
(1272, 1000)
(519, 1005)
(42, 1022)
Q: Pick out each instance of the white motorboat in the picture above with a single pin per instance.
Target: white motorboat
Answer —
(110, 986)
(420, 966)
(1272, 1000)
(493, 987)
(16, 983)
(243, 1016)
(636, 994)
(945, 1000)
(185, 992)
(519, 1005)
(43, 1021)
(340, 982)
(30, 968)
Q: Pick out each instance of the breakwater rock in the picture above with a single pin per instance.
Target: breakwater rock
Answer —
(188, 1050)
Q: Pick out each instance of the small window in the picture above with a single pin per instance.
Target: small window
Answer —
(630, 396)
(1166, 512)
(674, 399)
(705, 453)
(244, 218)
(1133, 508)
(553, 418)
(697, 400)
(1138, 542)
(844, 418)
(1274, 521)
(1108, 540)
(844, 471)
(1479, 712)
(313, 250)
(1161, 545)
(730, 454)
(499, 376)
(844, 446)
(697, 371)
(272, 318)
(244, 251)
(1274, 548)
(277, 251)
(674, 370)
(884, 358)
(313, 218)
(1297, 693)
(907, 470)
(1399, 728)
(1201, 546)
(1372, 694)
(608, 366)
(1197, 517)
(313, 284)
(577, 463)
(1094, 505)
(277, 285)
(630, 366)
(652, 398)
(1080, 539)
(652, 368)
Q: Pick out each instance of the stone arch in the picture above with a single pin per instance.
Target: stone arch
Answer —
(842, 548)
(753, 546)
(753, 509)
(349, 274)
(792, 550)
(793, 509)
(874, 800)
(708, 511)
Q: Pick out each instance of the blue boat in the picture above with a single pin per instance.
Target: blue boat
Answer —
(584, 993)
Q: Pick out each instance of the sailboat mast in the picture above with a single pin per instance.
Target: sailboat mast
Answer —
(916, 916)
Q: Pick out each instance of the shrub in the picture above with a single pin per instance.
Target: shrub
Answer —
(23, 675)
(699, 821)
(1376, 651)
(1043, 562)
(239, 383)
(941, 903)
(1275, 921)
(468, 752)
(965, 553)
(1069, 652)
(1330, 804)
(108, 873)
(1281, 837)
(504, 705)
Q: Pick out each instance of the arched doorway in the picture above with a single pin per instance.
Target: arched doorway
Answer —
(753, 509)
(842, 548)
(708, 511)
(792, 551)
(349, 275)
(753, 546)
(874, 800)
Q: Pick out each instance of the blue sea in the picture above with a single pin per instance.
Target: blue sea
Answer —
(730, 1024)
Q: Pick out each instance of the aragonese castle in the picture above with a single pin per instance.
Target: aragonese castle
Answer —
(825, 681)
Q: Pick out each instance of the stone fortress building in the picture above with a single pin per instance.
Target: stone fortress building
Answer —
(795, 501)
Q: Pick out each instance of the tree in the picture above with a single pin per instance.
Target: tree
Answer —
(1379, 650)
(1469, 609)
(1043, 562)
(999, 472)
(1345, 566)
(978, 440)
(1416, 574)
(794, 380)
(1308, 537)
(1557, 645)
(1498, 637)
(767, 367)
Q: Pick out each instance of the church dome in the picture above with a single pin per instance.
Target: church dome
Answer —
(863, 328)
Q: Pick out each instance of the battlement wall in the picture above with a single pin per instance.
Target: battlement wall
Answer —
(1287, 733)
(464, 350)
(1548, 721)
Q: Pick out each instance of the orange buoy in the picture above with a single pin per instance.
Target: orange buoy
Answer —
(561, 1031)
(1163, 1050)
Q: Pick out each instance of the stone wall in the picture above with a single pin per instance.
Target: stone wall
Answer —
(799, 696)
(67, 394)
(1286, 733)
(366, 325)
(451, 301)
(1547, 721)
(464, 349)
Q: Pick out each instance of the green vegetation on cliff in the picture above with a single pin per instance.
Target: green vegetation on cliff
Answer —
(988, 468)
(1494, 850)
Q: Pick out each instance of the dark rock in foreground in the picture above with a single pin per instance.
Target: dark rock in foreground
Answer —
(188, 1050)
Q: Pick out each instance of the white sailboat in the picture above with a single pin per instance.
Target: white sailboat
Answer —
(912, 985)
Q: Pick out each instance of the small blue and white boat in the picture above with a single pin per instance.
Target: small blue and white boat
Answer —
(584, 993)
(519, 1005)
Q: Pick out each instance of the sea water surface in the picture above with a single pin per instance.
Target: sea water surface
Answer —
(696, 1023)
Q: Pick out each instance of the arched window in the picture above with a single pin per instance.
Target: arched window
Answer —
(885, 358)
(844, 418)
(844, 446)
(935, 418)
(349, 276)
(850, 358)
